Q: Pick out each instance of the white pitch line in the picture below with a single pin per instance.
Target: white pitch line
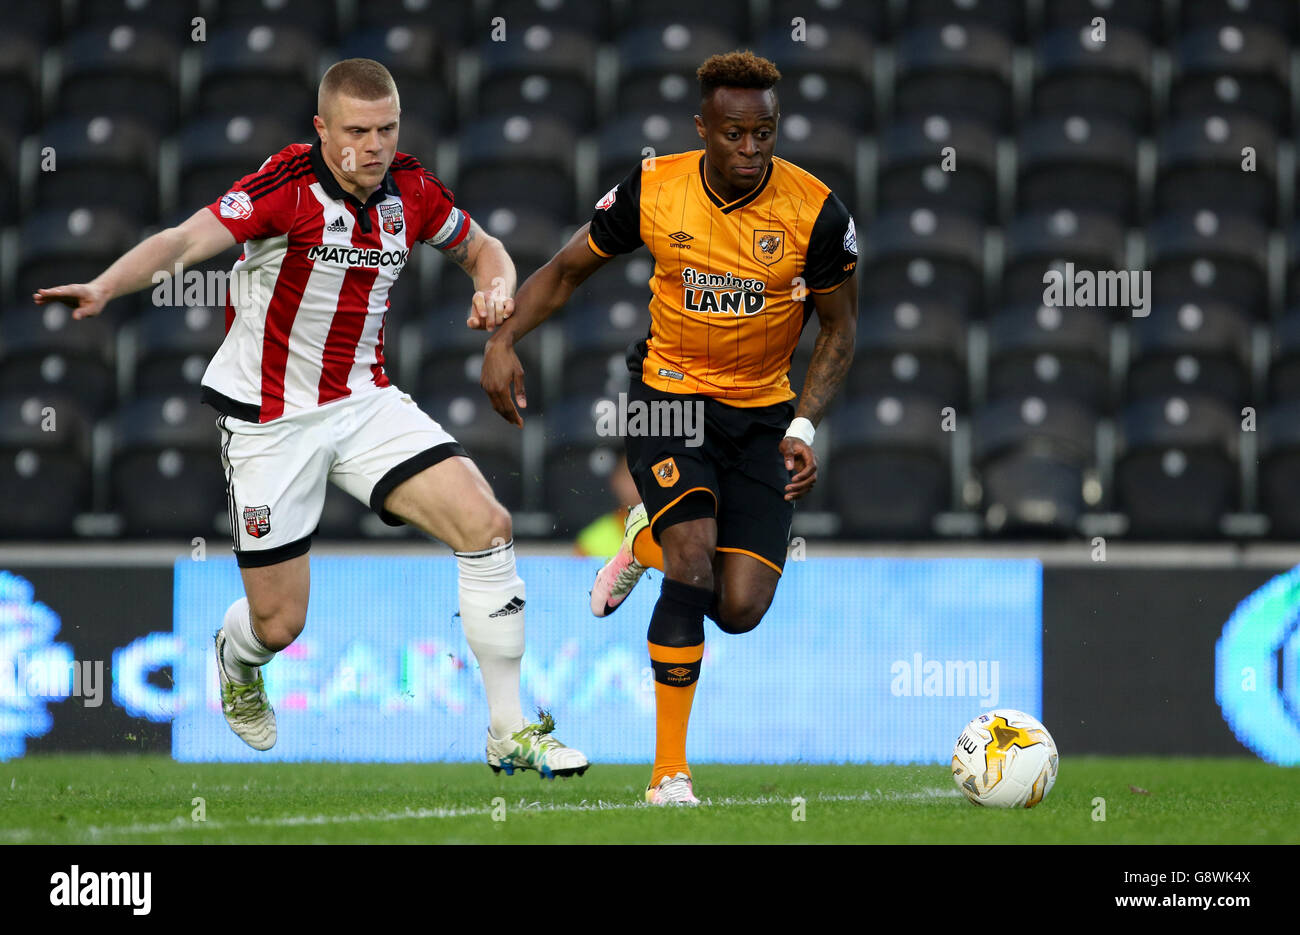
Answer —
(422, 814)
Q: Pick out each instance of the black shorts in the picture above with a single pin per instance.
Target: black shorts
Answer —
(736, 474)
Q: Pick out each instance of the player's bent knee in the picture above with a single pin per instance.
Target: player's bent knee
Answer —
(277, 630)
(740, 616)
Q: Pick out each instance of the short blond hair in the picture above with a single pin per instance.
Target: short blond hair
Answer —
(362, 78)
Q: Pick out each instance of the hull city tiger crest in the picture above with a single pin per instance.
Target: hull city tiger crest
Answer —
(769, 246)
(257, 520)
(666, 472)
(391, 215)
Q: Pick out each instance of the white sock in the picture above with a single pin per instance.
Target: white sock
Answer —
(244, 651)
(492, 614)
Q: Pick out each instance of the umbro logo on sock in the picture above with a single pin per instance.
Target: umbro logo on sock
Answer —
(337, 225)
(516, 604)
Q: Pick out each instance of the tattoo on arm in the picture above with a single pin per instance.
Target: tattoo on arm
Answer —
(830, 362)
(459, 254)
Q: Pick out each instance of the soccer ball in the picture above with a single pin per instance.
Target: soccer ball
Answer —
(1005, 759)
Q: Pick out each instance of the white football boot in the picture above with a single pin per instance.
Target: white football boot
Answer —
(672, 790)
(533, 746)
(245, 705)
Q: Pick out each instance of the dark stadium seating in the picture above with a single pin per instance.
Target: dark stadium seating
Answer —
(318, 19)
(20, 82)
(173, 347)
(1048, 240)
(496, 446)
(1284, 365)
(1004, 16)
(215, 152)
(826, 72)
(1046, 351)
(1077, 162)
(731, 16)
(1176, 470)
(163, 478)
(954, 69)
(1280, 15)
(1231, 68)
(46, 352)
(577, 464)
(1206, 255)
(1201, 163)
(416, 56)
(122, 69)
(1077, 74)
(100, 160)
(592, 19)
(922, 253)
(630, 138)
(868, 18)
(648, 55)
(908, 347)
(258, 68)
(173, 17)
(45, 467)
(518, 159)
(1031, 456)
(1141, 16)
(1279, 460)
(546, 70)
(76, 245)
(891, 466)
(1194, 348)
(910, 167)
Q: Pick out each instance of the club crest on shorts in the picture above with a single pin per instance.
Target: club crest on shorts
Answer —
(769, 246)
(391, 215)
(257, 520)
(666, 472)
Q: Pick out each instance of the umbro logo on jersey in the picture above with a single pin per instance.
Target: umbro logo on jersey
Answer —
(681, 239)
(337, 226)
(515, 605)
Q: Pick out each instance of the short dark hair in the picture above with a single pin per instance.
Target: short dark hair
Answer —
(736, 70)
(362, 78)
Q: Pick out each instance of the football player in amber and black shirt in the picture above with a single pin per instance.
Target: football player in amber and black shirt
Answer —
(742, 241)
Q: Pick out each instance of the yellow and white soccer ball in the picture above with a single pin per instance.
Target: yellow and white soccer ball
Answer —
(1005, 759)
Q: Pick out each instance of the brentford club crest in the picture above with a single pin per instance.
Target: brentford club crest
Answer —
(391, 215)
(257, 520)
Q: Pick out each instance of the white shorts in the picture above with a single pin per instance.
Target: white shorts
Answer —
(276, 471)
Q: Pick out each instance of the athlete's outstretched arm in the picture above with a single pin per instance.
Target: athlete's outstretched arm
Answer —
(200, 237)
(541, 295)
(837, 315)
(489, 265)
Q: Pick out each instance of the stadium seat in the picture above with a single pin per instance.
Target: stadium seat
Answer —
(1199, 348)
(732, 16)
(100, 161)
(1279, 461)
(1280, 15)
(517, 159)
(596, 342)
(173, 17)
(1005, 16)
(45, 468)
(1144, 17)
(1202, 254)
(8, 181)
(1200, 165)
(413, 53)
(910, 169)
(827, 72)
(1076, 74)
(121, 70)
(44, 350)
(868, 18)
(1033, 458)
(578, 461)
(1284, 366)
(531, 236)
(956, 70)
(590, 19)
(173, 347)
(166, 477)
(496, 446)
(907, 347)
(625, 278)
(259, 69)
(629, 139)
(61, 246)
(1176, 468)
(922, 252)
(1050, 352)
(454, 21)
(657, 64)
(1039, 241)
(318, 19)
(1231, 68)
(215, 152)
(825, 147)
(1079, 163)
(20, 82)
(547, 71)
(888, 471)
(342, 516)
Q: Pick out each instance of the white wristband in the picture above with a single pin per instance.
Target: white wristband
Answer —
(801, 429)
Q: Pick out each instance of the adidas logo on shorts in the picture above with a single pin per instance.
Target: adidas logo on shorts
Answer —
(338, 226)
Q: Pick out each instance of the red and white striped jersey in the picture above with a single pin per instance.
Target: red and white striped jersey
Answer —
(316, 269)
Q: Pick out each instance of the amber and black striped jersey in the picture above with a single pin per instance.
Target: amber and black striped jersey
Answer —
(730, 279)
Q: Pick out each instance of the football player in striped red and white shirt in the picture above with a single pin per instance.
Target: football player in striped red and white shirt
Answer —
(303, 397)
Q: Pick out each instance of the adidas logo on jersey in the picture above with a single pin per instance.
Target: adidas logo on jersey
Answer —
(337, 226)
(513, 607)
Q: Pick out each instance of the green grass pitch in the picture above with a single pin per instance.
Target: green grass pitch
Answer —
(151, 799)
